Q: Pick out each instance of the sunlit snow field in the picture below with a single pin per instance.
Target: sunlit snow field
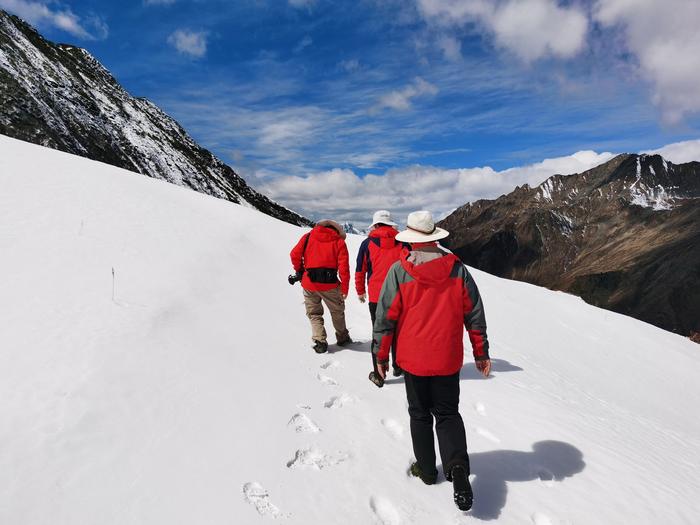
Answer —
(156, 368)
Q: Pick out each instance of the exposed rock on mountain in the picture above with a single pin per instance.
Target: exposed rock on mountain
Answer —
(624, 236)
(61, 97)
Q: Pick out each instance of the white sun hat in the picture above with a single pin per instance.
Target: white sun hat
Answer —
(420, 227)
(382, 217)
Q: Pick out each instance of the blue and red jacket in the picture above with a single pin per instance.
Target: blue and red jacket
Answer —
(326, 248)
(377, 253)
(423, 309)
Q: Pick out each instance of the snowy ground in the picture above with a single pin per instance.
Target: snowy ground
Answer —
(188, 393)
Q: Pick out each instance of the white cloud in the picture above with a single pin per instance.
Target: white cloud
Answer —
(288, 131)
(665, 39)
(303, 44)
(451, 47)
(192, 43)
(680, 152)
(401, 99)
(301, 3)
(350, 66)
(40, 14)
(343, 194)
(530, 29)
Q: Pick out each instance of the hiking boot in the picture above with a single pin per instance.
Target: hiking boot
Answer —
(416, 472)
(462, 489)
(344, 342)
(396, 371)
(320, 347)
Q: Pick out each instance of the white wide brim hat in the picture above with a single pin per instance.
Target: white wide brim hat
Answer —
(420, 227)
(382, 217)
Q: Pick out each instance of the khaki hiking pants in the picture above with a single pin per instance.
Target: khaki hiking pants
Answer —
(314, 311)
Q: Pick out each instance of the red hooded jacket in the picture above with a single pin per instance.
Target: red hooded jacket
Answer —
(423, 309)
(377, 253)
(326, 249)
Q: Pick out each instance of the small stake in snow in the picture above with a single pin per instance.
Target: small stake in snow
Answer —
(114, 300)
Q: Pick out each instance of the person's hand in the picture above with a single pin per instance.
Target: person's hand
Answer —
(484, 366)
(362, 298)
(383, 368)
(345, 296)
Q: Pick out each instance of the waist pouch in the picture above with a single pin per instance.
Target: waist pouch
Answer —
(323, 275)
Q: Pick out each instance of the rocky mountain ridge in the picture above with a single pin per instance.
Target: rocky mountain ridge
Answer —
(624, 236)
(61, 97)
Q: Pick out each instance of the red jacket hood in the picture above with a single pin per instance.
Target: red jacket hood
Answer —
(325, 234)
(384, 232)
(432, 272)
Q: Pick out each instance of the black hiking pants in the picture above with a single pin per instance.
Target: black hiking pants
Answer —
(436, 396)
(373, 315)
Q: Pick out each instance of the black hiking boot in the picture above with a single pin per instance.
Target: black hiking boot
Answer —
(462, 489)
(396, 371)
(320, 347)
(344, 342)
(416, 472)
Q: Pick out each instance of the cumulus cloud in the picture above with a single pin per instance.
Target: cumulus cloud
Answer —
(191, 43)
(400, 100)
(40, 14)
(343, 194)
(665, 39)
(530, 29)
(680, 152)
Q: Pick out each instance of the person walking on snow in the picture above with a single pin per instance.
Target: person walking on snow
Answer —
(320, 256)
(426, 301)
(377, 253)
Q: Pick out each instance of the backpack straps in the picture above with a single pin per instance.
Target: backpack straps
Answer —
(303, 253)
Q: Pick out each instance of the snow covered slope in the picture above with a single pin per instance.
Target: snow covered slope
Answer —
(61, 96)
(188, 392)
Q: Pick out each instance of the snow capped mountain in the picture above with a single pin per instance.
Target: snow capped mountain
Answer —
(349, 227)
(624, 235)
(60, 96)
(149, 375)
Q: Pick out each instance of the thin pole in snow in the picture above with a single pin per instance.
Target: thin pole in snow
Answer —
(114, 300)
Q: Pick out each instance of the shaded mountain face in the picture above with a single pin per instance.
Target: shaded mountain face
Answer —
(61, 97)
(624, 236)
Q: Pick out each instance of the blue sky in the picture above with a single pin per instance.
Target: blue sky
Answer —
(287, 89)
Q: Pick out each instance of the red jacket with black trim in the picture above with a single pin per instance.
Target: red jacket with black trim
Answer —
(377, 253)
(326, 249)
(423, 309)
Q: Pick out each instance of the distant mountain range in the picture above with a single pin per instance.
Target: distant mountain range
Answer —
(624, 236)
(60, 96)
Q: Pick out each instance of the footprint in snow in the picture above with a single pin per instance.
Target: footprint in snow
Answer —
(303, 423)
(480, 409)
(393, 427)
(384, 511)
(326, 380)
(339, 401)
(488, 435)
(315, 459)
(256, 495)
(539, 518)
(330, 364)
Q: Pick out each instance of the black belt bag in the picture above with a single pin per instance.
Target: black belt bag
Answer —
(323, 275)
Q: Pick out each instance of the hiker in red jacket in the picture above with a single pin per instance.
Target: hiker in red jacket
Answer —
(377, 253)
(319, 257)
(428, 298)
